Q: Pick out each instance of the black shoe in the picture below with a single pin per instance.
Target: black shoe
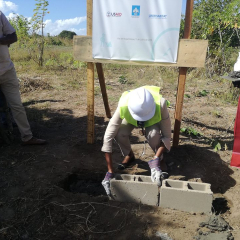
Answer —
(122, 166)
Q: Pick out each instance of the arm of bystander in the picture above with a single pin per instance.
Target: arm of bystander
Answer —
(8, 39)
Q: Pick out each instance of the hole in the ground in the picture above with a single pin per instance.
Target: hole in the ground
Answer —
(83, 184)
(220, 205)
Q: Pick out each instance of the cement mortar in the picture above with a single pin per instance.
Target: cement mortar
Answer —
(218, 224)
(215, 236)
(215, 223)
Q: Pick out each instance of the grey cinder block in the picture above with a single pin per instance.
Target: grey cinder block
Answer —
(134, 188)
(186, 196)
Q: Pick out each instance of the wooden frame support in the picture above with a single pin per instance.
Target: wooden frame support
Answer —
(179, 104)
(182, 76)
(90, 102)
(103, 88)
(191, 53)
(90, 81)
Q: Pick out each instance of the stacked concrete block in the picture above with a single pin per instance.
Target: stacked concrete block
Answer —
(134, 188)
(186, 196)
(174, 194)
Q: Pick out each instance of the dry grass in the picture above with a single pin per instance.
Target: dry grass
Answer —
(62, 72)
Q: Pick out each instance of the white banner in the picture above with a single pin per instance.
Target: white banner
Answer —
(137, 30)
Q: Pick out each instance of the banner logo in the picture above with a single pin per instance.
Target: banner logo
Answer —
(135, 11)
(113, 14)
(158, 16)
(104, 42)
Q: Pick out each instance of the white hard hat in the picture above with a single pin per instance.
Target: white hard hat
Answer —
(141, 104)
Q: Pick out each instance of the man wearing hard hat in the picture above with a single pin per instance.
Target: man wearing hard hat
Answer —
(143, 107)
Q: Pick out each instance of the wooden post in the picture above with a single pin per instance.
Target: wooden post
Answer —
(182, 76)
(90, 81)
(103, 88)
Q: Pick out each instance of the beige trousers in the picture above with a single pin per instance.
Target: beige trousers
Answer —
(152, 135)
(9, 85)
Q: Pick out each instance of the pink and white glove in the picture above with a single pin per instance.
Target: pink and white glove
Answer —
(106, 182)
(156, 172)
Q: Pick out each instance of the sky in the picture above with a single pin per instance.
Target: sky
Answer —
(67, 15)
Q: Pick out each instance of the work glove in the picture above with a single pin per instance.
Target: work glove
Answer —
(156, 173)
(156, 176)
(106, 185)
(106, 182)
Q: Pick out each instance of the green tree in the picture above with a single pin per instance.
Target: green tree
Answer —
(22, 27)
(67, 34)
(219, 22)
(38, 25)
(182, 26)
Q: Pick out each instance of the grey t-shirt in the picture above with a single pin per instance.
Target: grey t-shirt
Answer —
(5, 29)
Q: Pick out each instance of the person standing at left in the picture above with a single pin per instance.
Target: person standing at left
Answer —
(9, 83)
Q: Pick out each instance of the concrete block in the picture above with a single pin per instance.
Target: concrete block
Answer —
(134, 188)
(186, 196)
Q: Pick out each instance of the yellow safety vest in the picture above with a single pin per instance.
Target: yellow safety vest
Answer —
(124, 112)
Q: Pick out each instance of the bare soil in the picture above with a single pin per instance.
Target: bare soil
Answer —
(54, 191)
